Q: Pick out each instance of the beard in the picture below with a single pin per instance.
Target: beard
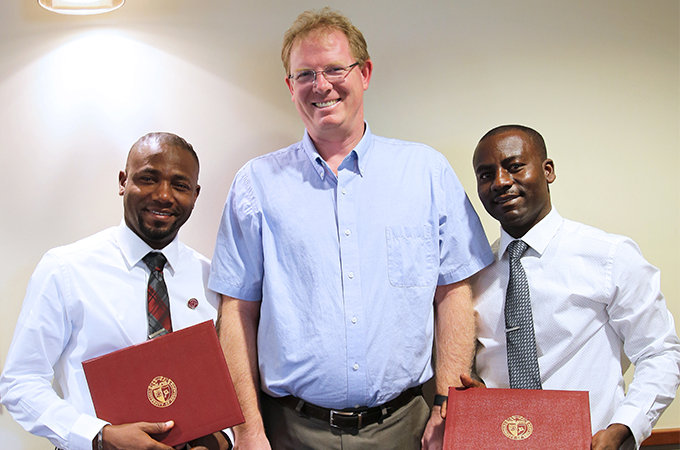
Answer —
(158, 234)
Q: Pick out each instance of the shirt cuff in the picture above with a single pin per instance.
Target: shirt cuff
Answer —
(84, 431)
(638, 424)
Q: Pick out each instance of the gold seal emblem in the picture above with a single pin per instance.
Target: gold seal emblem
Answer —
(162, 392)
(517, 428)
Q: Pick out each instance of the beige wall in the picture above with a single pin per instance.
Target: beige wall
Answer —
(599, 79)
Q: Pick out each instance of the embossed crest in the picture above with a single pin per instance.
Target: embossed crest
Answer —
(162, 392)
(517, 428)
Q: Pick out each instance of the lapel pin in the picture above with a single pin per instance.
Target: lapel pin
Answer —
(192, 303)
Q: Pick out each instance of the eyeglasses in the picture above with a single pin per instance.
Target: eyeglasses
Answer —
(331, 74)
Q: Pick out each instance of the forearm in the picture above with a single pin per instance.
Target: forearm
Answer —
(454, 334)
(238, 323)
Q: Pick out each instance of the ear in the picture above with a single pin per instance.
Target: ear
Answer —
(549, 170)
(366, 72)
(122, 178)
(289, 83)
(198, 191)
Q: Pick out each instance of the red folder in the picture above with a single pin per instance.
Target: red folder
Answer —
(500, 419)
(181, 376)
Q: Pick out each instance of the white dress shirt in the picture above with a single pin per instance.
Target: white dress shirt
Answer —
(84, 300)
(594, 298)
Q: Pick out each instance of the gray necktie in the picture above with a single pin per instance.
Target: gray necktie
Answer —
(158, 301)
(519, 325)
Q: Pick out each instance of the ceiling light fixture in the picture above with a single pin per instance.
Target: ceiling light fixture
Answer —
(81, 7)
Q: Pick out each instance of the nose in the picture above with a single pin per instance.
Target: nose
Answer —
(320, 83)
(502, 181)
(163, 192)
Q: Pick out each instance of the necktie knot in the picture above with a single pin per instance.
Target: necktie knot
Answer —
(517, 248)
(155, 261)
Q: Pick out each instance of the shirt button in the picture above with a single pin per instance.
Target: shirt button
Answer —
(354, 320)
(355, 367)
(350, 275)
(357, 406)
(347, 232)
(344, 191)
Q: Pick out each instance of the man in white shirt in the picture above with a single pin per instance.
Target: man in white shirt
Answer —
(89, 298)
(593, 297)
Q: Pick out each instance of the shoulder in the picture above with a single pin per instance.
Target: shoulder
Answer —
(84, 248)
(614, 252)
(84, 254)
(595, 236)
(415, 156)
(274, 159)
(190, 255)
(406, 147)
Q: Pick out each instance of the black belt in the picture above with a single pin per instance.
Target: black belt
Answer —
(349, 419)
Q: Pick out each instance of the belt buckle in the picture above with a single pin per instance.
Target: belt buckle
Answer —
(345, 414)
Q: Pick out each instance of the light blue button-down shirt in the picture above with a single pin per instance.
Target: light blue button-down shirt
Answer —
(346, 266)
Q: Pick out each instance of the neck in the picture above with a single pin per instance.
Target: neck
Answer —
(334, 149)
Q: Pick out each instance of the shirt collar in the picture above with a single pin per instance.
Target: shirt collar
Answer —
(358, 153)
(134, 248)
(538, 237)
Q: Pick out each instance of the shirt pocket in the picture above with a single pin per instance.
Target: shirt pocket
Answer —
(412, 256)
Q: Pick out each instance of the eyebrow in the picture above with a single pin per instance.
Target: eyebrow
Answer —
(175, 176)
(483, 167)
(504, 162)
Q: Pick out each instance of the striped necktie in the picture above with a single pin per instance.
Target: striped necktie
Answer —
(158, 301)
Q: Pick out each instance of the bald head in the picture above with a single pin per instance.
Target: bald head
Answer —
(162, 139)
(533, 137)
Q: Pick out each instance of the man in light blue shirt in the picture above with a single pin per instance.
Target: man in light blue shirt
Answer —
(339, 259)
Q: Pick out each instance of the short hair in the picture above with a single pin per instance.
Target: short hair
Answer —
(532, 135)
(327, 20)
(168, 139)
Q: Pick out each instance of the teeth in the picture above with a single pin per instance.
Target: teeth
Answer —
(326, 104)
(160, 213)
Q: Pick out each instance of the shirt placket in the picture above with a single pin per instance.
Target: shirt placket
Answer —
(351, 288)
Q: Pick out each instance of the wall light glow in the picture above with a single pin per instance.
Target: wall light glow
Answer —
(101, 76)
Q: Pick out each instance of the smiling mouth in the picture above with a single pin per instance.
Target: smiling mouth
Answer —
(160, 214)
(505, 199)
(326, 104)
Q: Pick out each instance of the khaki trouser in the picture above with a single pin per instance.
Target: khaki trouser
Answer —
(286, 430)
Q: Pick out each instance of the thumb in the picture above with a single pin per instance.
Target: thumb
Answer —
(157, 427)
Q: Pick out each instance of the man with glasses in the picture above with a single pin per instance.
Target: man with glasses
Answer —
(339, 259)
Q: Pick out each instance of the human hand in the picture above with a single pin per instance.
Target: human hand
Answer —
(610, 438)
(215, 441)
(135, 436)
(469, 382)
(433, 437)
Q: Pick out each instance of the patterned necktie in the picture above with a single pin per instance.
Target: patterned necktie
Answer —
(519, 325)
(158, 301)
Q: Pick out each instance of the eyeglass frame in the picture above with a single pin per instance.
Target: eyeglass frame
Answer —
(323, 72)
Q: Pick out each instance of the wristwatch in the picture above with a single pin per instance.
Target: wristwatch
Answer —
(439, 399)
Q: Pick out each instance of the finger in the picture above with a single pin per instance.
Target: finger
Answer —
(157, 427)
